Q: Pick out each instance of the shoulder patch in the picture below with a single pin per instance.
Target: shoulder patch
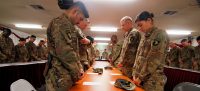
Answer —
(156, 42)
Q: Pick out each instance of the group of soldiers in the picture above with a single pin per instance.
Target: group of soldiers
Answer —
(140, 56)
(184, 56)
(142, 53)
(23, 51)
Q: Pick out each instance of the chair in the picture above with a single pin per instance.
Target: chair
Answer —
(21, 85)
(187, 86)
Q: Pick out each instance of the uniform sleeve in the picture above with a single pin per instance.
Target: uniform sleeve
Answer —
(28, 55)
(156, 56)
(2, 55)
(117, 51)
(13, 52)
(80, 34)
(196, 52)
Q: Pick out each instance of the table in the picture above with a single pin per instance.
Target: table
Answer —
(94, 82)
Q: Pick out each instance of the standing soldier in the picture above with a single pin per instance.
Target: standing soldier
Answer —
(114, 41)
(149, 63)
(21, 52)
(62, 36)
(7, 52)
(91, 50)
(173, 55)
(97, 52)
(41, 51)
(196, 62)
(130, 46)
(117, 51)
(186, 55)
(83, 54)
(32, 49)
(105, 54)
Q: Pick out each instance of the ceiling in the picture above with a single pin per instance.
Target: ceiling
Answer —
(103, 13)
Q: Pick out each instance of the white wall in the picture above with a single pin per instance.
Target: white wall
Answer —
(22, 34)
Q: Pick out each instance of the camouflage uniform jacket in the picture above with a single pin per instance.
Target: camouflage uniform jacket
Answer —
(21, 54)
(116, 51)
(32, 50)
(62, 40)
(151, 55)
(91, 54)
(7, 51)
(197, 53)
(173, 56)
(187, 54)
(41, 52)
(129, 48)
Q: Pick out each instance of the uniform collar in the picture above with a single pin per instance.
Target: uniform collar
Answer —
(127, 33)
(66, 18)
(150, 31)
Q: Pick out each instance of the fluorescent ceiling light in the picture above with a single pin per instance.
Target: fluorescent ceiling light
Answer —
(178, 32)
(34, 26)
(101, 38)
(102, 43)
(104, 29)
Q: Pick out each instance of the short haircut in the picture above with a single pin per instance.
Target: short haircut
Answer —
(22, 39)
(33, 36)
(126, 18)
(184, 40)
(41, 40)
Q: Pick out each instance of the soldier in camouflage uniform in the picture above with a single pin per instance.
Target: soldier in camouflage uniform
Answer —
(196, 62)
(83, 53)
(173, 55)
(130, 46)
(97, 52)
(149, 63)
(41, 50)
(105, 54)
(62, 38)
(7, 50)
(21, 52)
(114, 41)
(32, 49)
(186, 55)
(116, 53)
(91, 51)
